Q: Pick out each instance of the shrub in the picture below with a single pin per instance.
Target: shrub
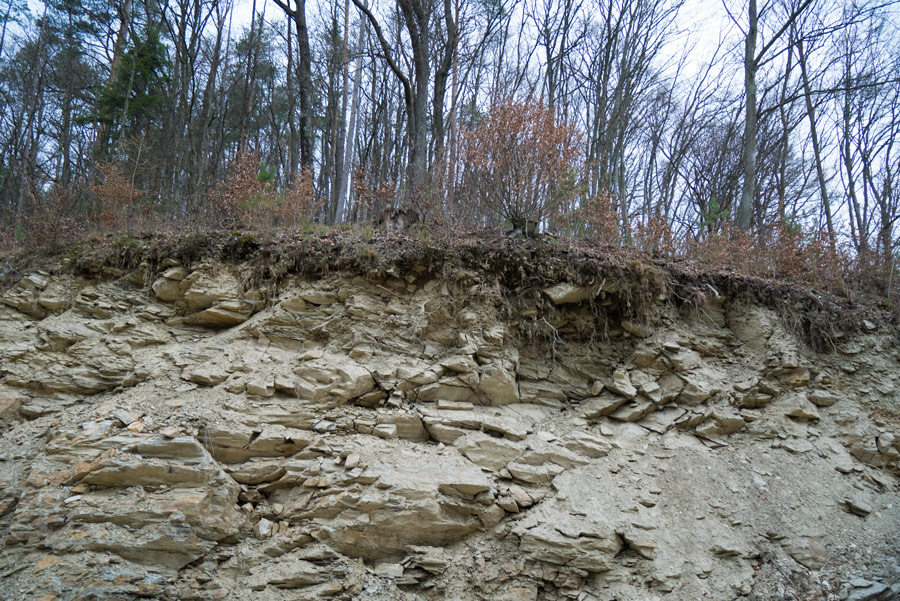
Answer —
(518, 162)
(230, 200)
(114, 195)
(372, 202)
(51, 224)
(297, 205)
(248, 197)
(596, 219)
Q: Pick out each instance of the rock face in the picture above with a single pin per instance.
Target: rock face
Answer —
(183, 437)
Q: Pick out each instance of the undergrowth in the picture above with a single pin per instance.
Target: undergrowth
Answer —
(641, 281)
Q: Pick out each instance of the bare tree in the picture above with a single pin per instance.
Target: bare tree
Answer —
(304, 79)
(753, 60)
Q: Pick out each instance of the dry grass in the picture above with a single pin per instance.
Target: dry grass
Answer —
(521, 267)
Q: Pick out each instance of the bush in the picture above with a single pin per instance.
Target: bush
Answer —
(519, 163)
(114, 195)
(247, 197)
(51, 225)
(297, 205)
(230, 200)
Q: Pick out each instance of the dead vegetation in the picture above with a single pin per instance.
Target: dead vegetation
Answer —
(521, 267)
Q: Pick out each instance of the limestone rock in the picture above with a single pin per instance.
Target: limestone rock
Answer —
(222, 315)
(621, 384)
(288, 572)
(208, 375)
(856, 506)
(864, 590)
(696, 389)
(807, 550)
(568, 540)
(663, 420)
(587, 444)
(237, 443)
(385, 431)
(442, 432)
(797, 406)
(597, 407)
(331, 381)
(640, 542)
(407, 426)
(633, 410)
(206, 288)
(685, 359)
(448, 389)
(534, 474)
(10, 403)
(563, 293)
(498, 386)
(491, 453)
(411, 506)
(169, 287)
(670, 386)
(261, 387)
(388, 433)
(823, 398)
(541, 393)
(540, 452)
(719, 422)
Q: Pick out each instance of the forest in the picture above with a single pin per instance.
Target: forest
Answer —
(767, 139)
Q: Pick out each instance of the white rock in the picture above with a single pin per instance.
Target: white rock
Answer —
(488, 452)
(498, 386)
(263, 528)
(565, 293)
(621, 384)
(385, 431)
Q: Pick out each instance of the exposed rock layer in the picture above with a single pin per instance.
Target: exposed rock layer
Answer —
(399, 437)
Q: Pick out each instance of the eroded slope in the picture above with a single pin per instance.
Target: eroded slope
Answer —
(423, 435)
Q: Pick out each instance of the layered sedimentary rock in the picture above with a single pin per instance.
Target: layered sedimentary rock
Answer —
(176, 434)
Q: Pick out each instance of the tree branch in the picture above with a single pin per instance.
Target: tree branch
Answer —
(854, 88)
(794, 15)
(404, 80)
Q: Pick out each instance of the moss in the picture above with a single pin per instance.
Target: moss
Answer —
(127, 241)
(239, 246)
(192, 247)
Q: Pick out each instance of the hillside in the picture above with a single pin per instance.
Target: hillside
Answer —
(224, 418)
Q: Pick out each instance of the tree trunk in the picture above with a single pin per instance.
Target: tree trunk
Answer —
(349, 146)
(817, 149)
(441, 74)
(293, 148)
(249, 84)
(339, 187)
(304, 81)
(748, 192)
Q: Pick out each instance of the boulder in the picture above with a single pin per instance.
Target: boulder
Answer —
(564, 293)
(597, 407)
(563, 539)
(498, 386)
(621, 384)
(823, 398)
(489, 452)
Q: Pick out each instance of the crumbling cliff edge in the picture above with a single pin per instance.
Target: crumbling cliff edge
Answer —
(397, 420)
